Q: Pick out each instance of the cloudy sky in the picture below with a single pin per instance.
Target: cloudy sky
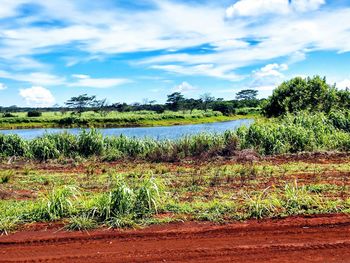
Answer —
(131, 50)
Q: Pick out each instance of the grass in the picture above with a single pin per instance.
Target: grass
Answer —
(113, 119)
(128, 195)
(81, 223)
(291, 134)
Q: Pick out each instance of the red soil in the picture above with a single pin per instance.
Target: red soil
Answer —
(295, 239)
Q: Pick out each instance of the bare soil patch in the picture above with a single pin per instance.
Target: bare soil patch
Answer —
(296, 239)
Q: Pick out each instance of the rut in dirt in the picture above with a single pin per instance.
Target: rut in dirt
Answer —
(296, 239)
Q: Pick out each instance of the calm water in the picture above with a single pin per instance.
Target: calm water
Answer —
(170, 132)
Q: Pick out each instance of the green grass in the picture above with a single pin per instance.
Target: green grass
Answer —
(303, 132)
(113, 119)
(133, 194)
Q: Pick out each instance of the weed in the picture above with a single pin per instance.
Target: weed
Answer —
(7, 225)
(6, 176)
(56, 204)
(81, 223)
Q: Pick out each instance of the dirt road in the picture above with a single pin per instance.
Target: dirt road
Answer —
(296, 239)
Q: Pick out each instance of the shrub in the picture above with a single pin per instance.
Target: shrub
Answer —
(8, 115)
(297, 94)
(34, 114)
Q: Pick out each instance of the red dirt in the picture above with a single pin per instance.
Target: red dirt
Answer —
(72, 167)
(295, 239)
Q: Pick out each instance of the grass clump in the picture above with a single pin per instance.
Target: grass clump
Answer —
(6, 176)
(81, 223)
(124, 202)
(56, 204)
(7, 225)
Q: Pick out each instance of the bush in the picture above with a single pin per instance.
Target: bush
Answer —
(34, 114)
(8, 115)
(298, 94)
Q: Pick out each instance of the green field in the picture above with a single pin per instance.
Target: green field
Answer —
(114, 119)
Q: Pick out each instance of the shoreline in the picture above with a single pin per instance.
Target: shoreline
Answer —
(143, 123)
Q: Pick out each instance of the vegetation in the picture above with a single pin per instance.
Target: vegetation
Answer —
(289, 134)
(312, 94)
(126, 195)
(309, 115)
(119, 119)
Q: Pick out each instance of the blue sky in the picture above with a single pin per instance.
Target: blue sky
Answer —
(128, 51)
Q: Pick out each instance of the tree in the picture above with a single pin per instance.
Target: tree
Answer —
(100, 106)
(191, 104)
(313, 94)
(121, 107)
(175, 101)
(207, 99)
(81, 102)
(225, 107)
(247, 94)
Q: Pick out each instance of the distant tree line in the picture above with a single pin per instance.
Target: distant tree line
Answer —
(298, 94)
(175, 102)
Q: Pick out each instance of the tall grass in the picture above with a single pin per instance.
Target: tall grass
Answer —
(290, 134)
(120, 206)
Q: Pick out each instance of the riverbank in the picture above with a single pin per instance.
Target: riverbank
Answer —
(116, 120)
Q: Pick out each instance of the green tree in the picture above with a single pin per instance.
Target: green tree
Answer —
(81, 102)
(207, 99)
(313, 94)
(247, 94)
(175, 101)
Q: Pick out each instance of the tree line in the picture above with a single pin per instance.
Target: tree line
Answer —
(312, 94)
(175, 102)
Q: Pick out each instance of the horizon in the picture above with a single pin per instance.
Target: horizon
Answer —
(127, 52)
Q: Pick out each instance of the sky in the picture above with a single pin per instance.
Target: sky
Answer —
(130, 51)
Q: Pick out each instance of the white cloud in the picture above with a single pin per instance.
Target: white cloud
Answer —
(9, 7)
(271, 70)
(100, 83)
(279, 7)
(170, 25)
(257, 7)
(80, 76)
(307, 5)
(185, 87)
(223, 72)
(2, 86)
(37, 96)
(345, 83)
(35, 78)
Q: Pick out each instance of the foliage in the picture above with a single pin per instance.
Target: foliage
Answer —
(44, 148)
(56, 204)
(175, 101)
(313, 94)
(12, 145)
(81, 102)
(34, 113)
(80, 223)
(247, 94)
(292, 133)
(90, 143)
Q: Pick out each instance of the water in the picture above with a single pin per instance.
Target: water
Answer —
(163, 132)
